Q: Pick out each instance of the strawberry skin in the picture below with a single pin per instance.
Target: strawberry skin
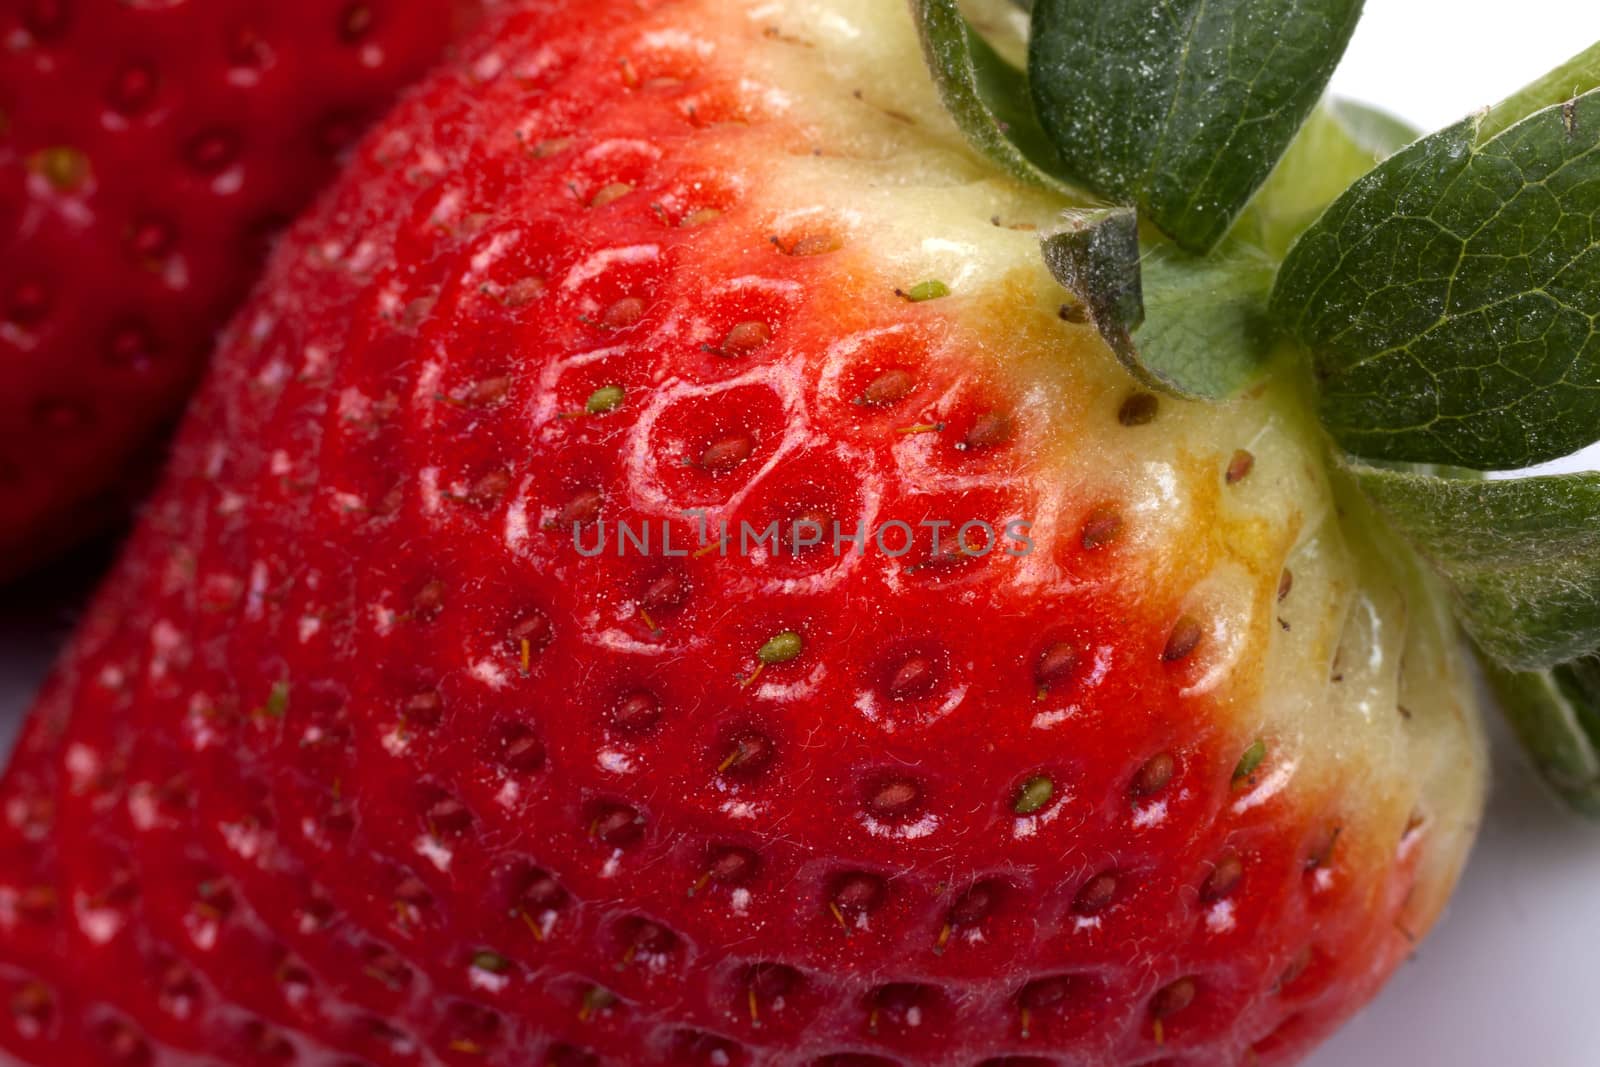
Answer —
(148, 151)
(359, 759)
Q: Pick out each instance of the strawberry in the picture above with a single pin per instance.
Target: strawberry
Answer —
(148, 151)
(429, 719)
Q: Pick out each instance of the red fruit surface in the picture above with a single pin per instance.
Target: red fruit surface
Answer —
(359, 760)
(148, 153)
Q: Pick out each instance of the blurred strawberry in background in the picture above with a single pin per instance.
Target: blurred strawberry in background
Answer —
(149, 150)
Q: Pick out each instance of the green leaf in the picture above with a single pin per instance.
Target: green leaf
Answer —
(1181, 107)
(987, 97)
(1095, 256)
(1523, 556)
(1339, 143)
(1556, 716)
(1449, 299)
(1191, 326)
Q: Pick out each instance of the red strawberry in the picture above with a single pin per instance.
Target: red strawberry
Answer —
(147, 153)
(362, 757)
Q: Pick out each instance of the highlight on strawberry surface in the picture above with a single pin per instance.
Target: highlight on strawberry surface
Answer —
(835, 533)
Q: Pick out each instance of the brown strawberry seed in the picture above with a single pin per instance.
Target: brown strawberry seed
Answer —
(913, 678)
(1239, 467)
(992, 429)
(894, 798)
(518, 749)
(727, 453)
(666, 590)
(1057, 663)
(636, 713)
(1096, 895)
(1101, 528)
(889, 387)
(1183, 640)
(732, 864)
(700, 217)
(1154, 775)
(975, 905)
(813, 244)
(746, 754)
(858, 893)
(582, 508)
(623, 313)
(1171, 999)
(490, 489)
(1224, 878)
(1139, 409)
(616, 824)
(745, 338)
(610, 193)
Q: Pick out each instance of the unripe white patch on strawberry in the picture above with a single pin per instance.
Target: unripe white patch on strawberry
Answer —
(913, 204)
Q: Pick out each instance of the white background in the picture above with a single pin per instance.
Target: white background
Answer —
(1511, 975)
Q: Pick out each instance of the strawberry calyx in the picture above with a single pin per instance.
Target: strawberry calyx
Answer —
(1200, 320)
(1437, 297)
